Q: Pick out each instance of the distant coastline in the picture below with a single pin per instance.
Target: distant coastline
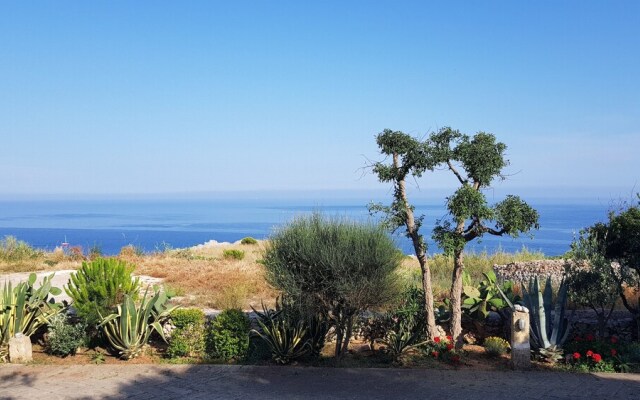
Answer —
(153, 225)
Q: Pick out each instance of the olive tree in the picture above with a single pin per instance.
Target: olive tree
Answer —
(409, 158)
(619, 243)
(475, 162)
(591, 283)
(334, 267)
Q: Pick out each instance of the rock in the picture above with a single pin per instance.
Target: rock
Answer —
(20, 350)
(470, 338)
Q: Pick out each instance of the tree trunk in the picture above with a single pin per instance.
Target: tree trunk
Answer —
(456, 298)
(347, 335)
(420, 248)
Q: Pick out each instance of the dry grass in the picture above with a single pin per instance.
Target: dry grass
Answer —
(475, 264)
(205, 278)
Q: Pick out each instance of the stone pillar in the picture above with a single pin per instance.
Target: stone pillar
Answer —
(520, 347)
(20, 350)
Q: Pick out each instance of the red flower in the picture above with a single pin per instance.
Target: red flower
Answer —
(449, 338)
(589, 353)
(449, 346)
(614, 352)
(597, 358)
(576, 356)
(614, 339)
(436, 339)
(435, 354)
(578, 339)
(589, 338)
(455, 358)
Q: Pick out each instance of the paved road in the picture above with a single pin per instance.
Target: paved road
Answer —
(252, 382)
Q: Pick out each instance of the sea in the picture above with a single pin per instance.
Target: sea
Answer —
(158, 224)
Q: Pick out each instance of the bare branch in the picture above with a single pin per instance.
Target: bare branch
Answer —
(455, 172)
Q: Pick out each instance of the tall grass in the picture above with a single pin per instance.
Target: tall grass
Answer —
(474, 263)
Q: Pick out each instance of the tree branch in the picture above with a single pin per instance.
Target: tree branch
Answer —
(455, 172)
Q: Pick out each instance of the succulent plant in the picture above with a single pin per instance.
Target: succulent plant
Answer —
(24, 309)
(547, 337)
(128, 330)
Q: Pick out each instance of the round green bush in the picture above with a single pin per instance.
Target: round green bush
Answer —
(233, 254)
(248, 240)
(228, 335)
(188, 339)
(182, 317)
(495, 346)
(64, 338)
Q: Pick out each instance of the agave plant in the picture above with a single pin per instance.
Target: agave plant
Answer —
(400, 339)
(24, 309)
(128, 330)
(286, 339)
(547, 337)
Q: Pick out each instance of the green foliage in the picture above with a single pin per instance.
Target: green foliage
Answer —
(495, 346)
(333, 268)
(547, 337)
(128, 330)
(619, 241)
(589, 354)
(14, 250)
(183, 317)
(591, 280)
(285, 336)
(24, 309)
(228, 335)
(188, 339)
(98, 286)
(233, 254)
(513, 216)
(478, 301)
(248, 241)
(64, 338)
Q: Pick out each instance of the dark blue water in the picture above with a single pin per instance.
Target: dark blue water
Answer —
(154, 224)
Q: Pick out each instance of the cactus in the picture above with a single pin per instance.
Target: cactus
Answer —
(128, 330)
(24, 309)
(547, 337)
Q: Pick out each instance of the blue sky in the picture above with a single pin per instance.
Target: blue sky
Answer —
(185, 97)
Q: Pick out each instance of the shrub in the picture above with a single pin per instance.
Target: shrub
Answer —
(12, 250)
(233, 254)
(64, 338)
(98, 286)
(334, 268)
(183, 317)
(187, 339)
(228, 335)
(248, 241)
(495, 346)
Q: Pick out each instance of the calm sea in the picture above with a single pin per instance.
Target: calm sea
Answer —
(154, 224)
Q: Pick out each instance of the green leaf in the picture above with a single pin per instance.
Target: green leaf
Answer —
(471, 291)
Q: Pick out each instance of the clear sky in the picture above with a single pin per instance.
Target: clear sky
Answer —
(120, 97)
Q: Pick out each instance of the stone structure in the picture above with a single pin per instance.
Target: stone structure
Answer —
(20, 350)
(520, 347)
(523, 271)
